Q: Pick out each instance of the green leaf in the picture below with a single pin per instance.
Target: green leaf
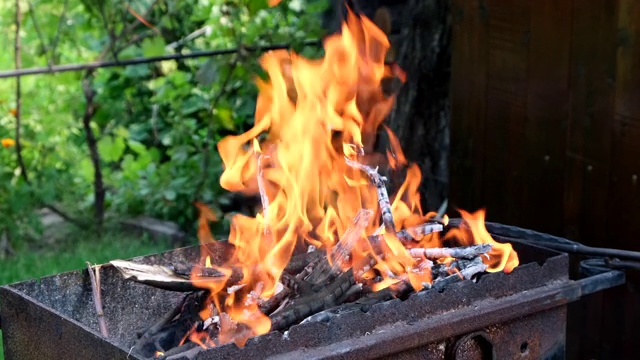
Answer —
(194, 103)
(121, 131)
(169, 194)
(111, 149)
(153, 46)
(137, 147)
(137, 71)
(207, 73)
(256, 5)
(85, 169)
(225, 115)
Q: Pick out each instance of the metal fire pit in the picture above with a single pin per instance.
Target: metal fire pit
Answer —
(519, 315)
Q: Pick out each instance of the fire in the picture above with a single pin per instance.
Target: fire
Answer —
(306, 155)
(502, 257)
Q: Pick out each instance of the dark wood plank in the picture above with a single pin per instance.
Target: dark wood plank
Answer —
(624, 206)
(592, 69)
(547, 115)
(508, 42)
(468, 103)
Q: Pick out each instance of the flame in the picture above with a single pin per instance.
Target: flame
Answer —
(502, 257)
(314, 119)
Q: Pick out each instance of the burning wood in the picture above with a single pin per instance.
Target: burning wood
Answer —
(316, 117)
(167, 278)
(341, 252)
(383, 197)
(467, 252)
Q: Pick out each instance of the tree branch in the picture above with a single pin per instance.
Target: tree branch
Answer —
(110, 31)
(98, 185)
(99, 191)
(45, 49)
(54, 45)
(18, 60)
(126, 31)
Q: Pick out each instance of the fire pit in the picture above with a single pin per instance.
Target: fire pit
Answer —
(339, 262)
(499, 316)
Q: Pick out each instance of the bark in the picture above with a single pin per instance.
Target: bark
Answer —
(421, 116)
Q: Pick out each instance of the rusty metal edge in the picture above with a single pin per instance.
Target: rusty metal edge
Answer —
(402, 336)
(7, 294)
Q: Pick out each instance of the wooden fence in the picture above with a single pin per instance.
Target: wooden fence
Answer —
(545, 133)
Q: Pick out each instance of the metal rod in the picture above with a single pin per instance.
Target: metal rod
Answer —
(146, 60)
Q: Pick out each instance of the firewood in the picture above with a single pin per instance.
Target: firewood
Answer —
(323, 270)
(383, 197)
(166, 278)
(171, 334)
(465, 252)
(269, 306)
(473, 268)
(330, 296)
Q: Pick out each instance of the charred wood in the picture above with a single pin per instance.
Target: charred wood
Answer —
(170, 335)
(187, 351)
(300, 309)
(299, 261)
(324, 270)
(407, 236)
(475, 267)
(269, 306)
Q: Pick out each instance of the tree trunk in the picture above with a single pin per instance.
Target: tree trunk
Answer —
(421, 116)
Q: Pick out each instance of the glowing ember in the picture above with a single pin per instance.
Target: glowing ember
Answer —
(306, 156)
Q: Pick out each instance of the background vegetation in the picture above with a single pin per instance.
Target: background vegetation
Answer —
(155, 126)
(99, 146)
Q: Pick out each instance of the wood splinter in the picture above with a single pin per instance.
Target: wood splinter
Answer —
(97, 297)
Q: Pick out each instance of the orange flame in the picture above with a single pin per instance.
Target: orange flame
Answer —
(502, 257)
(315, 119)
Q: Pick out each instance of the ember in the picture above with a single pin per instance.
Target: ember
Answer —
(308, 156)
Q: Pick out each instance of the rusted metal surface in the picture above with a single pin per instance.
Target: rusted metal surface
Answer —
(54, 317)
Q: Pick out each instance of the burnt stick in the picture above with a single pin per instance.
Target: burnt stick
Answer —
(298, 262)
(271, 304)
(406, 236)
(97, 298)
(476, 267)
(465, 252)
(330, 296)
(383, 197)
(415, 233)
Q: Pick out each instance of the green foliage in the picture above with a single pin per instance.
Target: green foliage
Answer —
(156, 124)
(73, 253)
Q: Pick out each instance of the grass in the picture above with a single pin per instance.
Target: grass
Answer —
(72, 254)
